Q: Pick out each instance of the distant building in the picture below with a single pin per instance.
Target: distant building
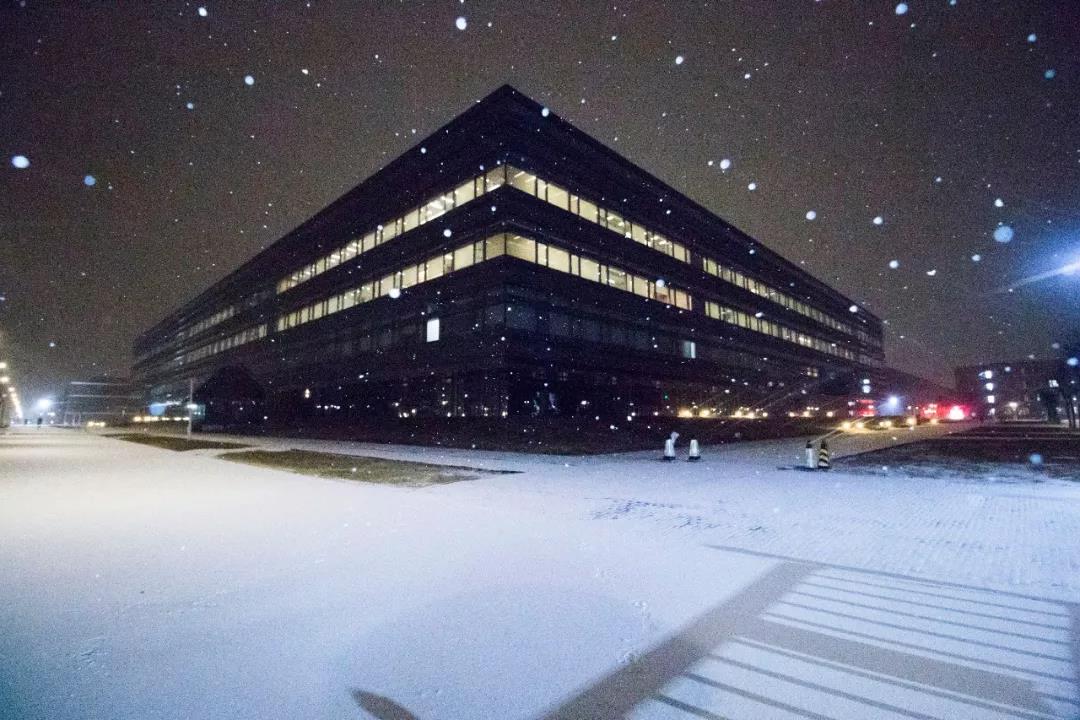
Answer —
(100, 399)
(509, 264)
(1020, 390)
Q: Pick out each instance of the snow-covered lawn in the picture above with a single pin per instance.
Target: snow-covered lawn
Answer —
(137, 582)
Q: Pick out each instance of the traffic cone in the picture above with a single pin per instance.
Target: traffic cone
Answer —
(823, 456)
(669, 450)
(811, 461)
(695, 451)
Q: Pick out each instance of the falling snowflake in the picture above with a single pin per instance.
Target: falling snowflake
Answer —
(1073, 362)
(752, 187)
(679, 59)
(894, 264)
(811, 215)
(190, 106)
(1003, 233)
(1049, 74)
(725, 164)
(901, 9)
(853, 308)
(879, 220)
(20, 161)
(202, 12)
(304, 71)
(447, 232)
(999, 203)
(461, 23)
(1032, 38)
(89, 181)
(931, 273)
(249, 79)
(976, 257)
(544, 112)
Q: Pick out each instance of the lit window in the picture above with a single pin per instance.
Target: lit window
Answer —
(464, 193)
(557, 196)
(587, 210)
(558, 259)
(519, 247)
(496, 178)
(463, 257)
(689, 349)
(433, 330)
(990, 399)
(526, 182)
(590, 269)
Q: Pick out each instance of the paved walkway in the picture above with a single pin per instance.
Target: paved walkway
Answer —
(137, 582)
(771, 453)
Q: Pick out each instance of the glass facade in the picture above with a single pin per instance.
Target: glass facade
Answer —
(517, 246)
(524, 248)
(555, 258)
(738, 279)
(551, 193)
(768, 327)
(207, 323)
(422, 214)
(222, 344)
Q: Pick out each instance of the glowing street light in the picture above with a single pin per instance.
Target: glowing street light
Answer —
(1072, 268)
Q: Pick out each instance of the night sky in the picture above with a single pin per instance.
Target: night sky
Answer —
(852, 110)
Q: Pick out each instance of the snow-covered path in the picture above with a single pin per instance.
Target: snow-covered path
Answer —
(144, 583)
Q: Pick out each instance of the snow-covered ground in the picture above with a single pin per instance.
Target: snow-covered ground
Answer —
(137, 582)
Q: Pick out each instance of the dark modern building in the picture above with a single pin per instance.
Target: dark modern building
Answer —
(104, 399)
(510, 264)
(1022, 389)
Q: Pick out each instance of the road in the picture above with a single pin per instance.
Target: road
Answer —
(137, 582)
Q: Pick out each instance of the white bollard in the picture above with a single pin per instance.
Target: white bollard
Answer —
(695, 451)
(669, 450)
(811, 458)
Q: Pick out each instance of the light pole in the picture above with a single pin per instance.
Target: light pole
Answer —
(190, 404)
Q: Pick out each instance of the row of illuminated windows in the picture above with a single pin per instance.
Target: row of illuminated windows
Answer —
(206, 323)
(555, 195)
(560, 197)
(529, 250)
(477, 252)
(226, 343)
(768, 327)
(554, 258)
(417, 216)
(734, 277)
(191, 331)
(563, 261)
